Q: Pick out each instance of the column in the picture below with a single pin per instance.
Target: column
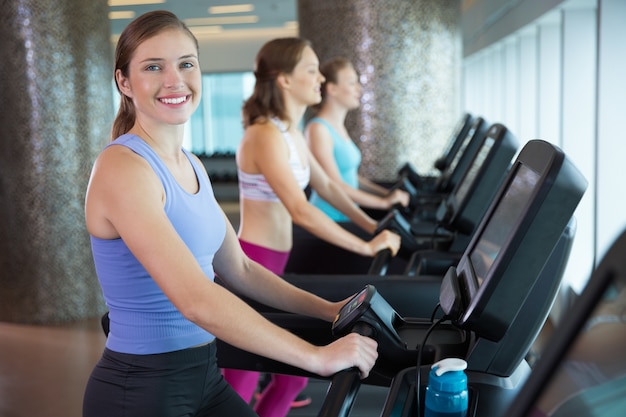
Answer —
(408, 55)
(57, 109)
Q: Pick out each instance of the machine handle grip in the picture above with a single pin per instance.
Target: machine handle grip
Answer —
(345, 384)
(380, 263)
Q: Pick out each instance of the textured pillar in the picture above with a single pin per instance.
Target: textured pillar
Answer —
(408, 55)
(56, 95)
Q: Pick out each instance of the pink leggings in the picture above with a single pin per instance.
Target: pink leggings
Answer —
(277, 397)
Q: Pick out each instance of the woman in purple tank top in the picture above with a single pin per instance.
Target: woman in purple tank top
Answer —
(157, 251)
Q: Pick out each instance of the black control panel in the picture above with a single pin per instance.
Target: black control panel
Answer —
(398, 338)
(369, 307)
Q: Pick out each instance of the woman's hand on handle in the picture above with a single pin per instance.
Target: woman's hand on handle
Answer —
(352, 350)
(399, 197)
(386, 239)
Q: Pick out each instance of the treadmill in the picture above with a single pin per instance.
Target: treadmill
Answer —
(443, 225)
(452, 147)
(451, 224)
(441, 163)
(423, 194)
(492, 292)
(480, 299)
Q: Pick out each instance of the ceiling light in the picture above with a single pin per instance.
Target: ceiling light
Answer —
(114, 3)
(291, 24)
(200, 31)
(235, 8)
(122, 14)
(232, 20)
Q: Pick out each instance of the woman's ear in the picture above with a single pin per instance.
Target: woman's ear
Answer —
(331, 88)
(122, 83)
(283, 81)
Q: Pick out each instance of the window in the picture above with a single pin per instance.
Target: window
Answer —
(216, 127)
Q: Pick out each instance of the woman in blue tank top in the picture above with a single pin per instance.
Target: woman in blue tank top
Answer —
(158, 239)
(333, 148)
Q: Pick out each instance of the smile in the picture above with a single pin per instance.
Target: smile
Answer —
(176, 100)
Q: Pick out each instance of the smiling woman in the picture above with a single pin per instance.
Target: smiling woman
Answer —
(180, 76)
(159, 238)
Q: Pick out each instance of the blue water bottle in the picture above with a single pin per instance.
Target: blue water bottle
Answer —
(446, 392)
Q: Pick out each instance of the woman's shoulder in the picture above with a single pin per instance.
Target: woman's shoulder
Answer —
(259, 139)
(319, 129)
(118, 159)
(263, 129)
(318, 120)
(119, 148)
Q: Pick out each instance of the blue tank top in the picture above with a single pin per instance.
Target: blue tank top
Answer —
(143, 320)
(348, 158)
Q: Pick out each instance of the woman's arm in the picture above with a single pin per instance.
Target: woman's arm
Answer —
(371, 187)
(266, 146)
(250, 279)
(333, 193)
(126, 197)
(371, 195)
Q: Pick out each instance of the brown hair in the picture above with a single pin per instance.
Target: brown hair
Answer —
(330, 70)
(138, 31)
(278, 56)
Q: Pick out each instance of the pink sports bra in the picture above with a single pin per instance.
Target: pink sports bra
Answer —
(255, 186)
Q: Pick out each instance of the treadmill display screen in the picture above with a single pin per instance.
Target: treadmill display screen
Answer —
(509, 210)
(352, 309)
(461, 151)
(477, 164)
(456, 132)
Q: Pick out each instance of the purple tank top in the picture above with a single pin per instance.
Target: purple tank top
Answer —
(143, 320)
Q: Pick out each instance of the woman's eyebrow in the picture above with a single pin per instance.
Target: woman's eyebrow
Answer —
(163, 59)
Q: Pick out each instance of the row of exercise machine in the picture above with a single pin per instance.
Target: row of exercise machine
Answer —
(484, 247)
(443, 212)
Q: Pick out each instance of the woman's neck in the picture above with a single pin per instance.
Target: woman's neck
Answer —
(295, 113)
(167, 141)
(334, 114)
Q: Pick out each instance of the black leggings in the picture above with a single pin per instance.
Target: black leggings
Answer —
(182, 383)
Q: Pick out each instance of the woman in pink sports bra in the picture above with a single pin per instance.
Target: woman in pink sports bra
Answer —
(275, 165)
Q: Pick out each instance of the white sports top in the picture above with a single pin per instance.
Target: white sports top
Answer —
(255, 186)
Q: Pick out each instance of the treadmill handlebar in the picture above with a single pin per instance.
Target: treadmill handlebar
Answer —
(395, 221)
(380, 263)
(345, 384)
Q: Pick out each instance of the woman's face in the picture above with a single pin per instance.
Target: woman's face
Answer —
(164, 78)
(347, 90)
(305, 80)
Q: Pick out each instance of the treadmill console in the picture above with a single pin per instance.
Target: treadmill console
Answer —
(369, 307)
(369, 314)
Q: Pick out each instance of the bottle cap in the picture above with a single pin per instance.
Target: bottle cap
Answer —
(449, 364)
(447, 375)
